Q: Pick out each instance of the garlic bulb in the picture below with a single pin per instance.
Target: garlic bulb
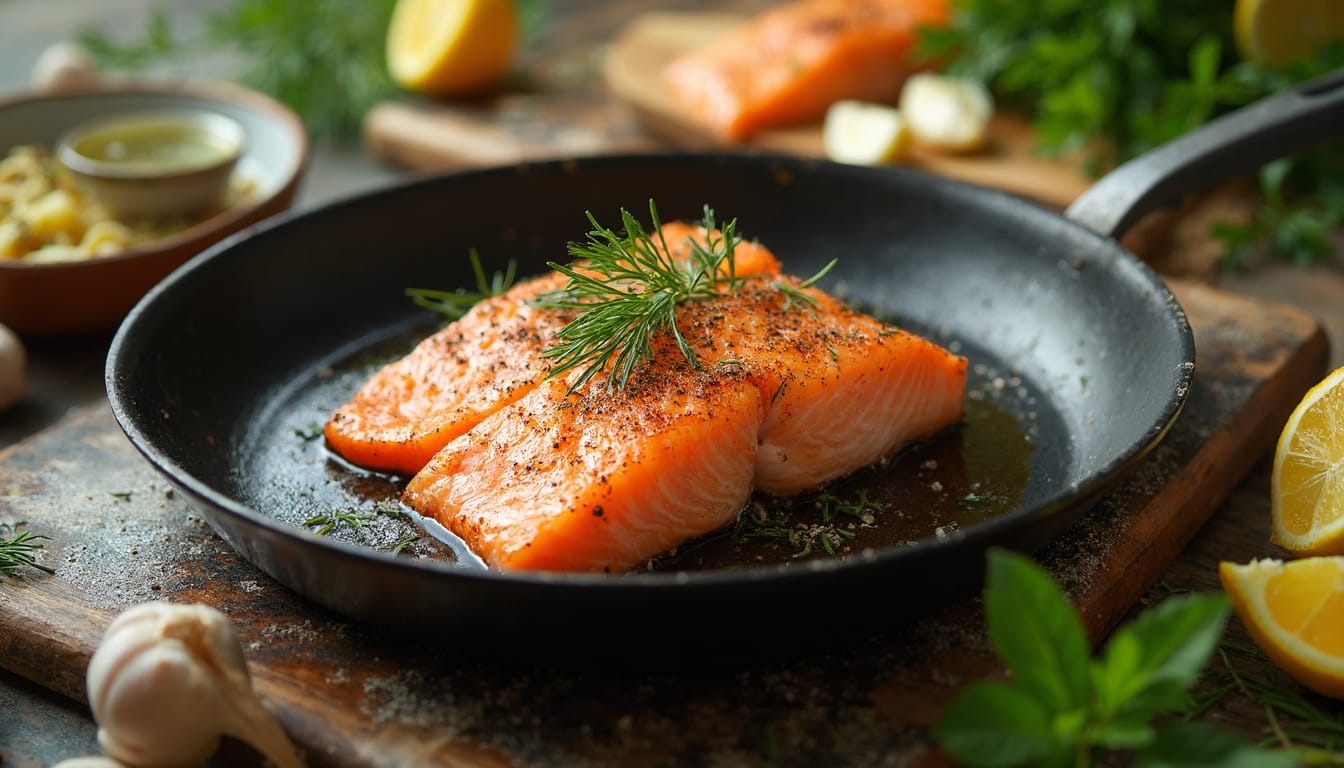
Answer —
(13, 364)
(169, 681)
(860, 133)
(64, 66)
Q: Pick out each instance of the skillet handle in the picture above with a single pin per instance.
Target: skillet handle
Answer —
(1239, 142)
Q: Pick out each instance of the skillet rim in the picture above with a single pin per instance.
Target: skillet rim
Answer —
(1073, 497)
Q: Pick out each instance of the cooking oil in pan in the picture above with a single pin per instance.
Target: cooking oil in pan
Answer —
(972, 472)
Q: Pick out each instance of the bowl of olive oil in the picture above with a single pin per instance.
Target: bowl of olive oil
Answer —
(156, 163)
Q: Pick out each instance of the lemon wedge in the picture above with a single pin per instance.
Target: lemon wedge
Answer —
(451, 47)
(1307, 482)
(1278, 31)
(947, 113)
(1294, 611)
(860, 133)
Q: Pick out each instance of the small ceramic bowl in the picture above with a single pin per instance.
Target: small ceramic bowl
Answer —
(90, 297)
(162, 163)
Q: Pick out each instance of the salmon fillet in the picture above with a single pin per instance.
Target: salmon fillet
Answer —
(786, 399)
(789, 64)
(482, 362)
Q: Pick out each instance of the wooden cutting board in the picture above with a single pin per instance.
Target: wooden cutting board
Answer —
(630, 110)
(351, 696)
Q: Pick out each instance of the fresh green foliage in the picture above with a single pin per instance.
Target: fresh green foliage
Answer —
(1063, 707)
(325, 523)
(1296, 719)
(789, 522)
(17, 548)
(628, 291)
(326, 59)
(454, 304)
(1114, 78)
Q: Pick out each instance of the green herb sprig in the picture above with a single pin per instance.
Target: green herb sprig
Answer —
(1062, 707)
(17, 548)
(625, 289)
(629, 293)
(455, 304)
(1116, 78)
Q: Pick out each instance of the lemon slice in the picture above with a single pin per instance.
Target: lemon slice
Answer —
(1307, 484)
(1278, 31)
(947, 113)
(451, 47)
(860, 133)
(1294, 612)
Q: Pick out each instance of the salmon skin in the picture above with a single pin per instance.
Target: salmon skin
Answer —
(786, 396)
(789, 64)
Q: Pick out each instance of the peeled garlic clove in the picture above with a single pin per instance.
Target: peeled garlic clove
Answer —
(168, 681)
(860, 133)
(91, 762)
(13, 369)
(947, 113)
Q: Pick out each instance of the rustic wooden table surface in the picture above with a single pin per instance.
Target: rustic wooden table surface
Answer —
(39, 727)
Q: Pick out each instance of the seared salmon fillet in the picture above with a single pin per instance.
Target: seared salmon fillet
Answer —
(785, 399)
(789, 64)
(487, 359)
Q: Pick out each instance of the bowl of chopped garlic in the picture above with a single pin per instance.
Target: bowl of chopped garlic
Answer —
(73, 265)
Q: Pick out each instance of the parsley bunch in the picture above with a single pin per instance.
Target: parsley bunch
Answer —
(1062, 707)
(1114, 78)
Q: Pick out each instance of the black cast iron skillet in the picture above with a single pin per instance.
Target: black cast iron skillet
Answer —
(219, 375)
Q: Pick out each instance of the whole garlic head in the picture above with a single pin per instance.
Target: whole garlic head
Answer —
(13, 368)
(168, 681)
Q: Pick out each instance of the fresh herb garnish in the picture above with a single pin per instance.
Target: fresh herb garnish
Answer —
(628, 292)
(325, 523)
(120, 495)
(17, 548)
(1117, 78)
(1062, 707)
(454, 304)
(308, 433)
(625, 289)
(824, 531)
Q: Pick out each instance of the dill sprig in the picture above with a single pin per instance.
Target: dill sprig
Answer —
(625, 289)
(454, 304)
(628, 292)
(17, 548)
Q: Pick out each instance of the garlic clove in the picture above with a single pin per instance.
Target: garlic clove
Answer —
(64, 66)
(947, 113)
(91, 762)
(13, 367)
(860, 133)
(169, 681)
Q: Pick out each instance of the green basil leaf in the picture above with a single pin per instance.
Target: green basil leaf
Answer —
(1126, 733)
(993, 724)
(1198, 745)
(1036, 631)
(1167, 646)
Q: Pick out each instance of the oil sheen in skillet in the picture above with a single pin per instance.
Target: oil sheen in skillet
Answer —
(971, 473)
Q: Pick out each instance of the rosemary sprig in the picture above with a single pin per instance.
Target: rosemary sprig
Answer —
(628, 292)
(454, 304)
(16, 550)
(325, 523)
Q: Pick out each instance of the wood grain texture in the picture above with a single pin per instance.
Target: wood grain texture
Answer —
(352, 696)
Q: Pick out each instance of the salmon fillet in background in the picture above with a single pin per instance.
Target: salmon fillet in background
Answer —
(786, 398)
(790, 63)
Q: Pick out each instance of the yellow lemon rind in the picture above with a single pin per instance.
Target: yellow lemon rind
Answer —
(1311, 667)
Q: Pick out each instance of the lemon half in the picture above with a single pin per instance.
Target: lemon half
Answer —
(1307, 484)
(451, 47)
(1278, 31)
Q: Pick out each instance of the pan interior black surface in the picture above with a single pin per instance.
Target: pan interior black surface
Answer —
(222, 375)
